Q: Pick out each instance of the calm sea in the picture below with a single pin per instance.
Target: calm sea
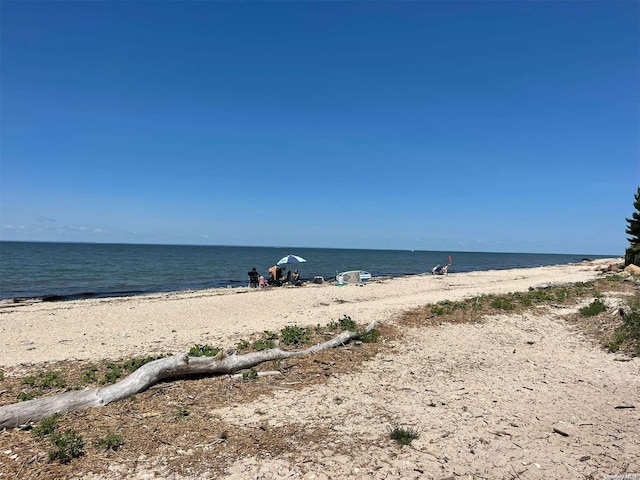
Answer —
(61, 271)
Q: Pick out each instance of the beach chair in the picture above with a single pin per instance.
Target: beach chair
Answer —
(438, 270)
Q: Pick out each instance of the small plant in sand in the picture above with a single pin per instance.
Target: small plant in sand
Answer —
(90, 374)
(67, 446)
(182, 411)
(345, 323)
(243, 345)
(294, 335)
(135, 363)
(594, 308)
(49, 380)
(1, 375)
(203, 351)
(40, 382)
(112, 373)
(372, 336)
(45, 427)
(404, 436)
(111, 441)
(250, 374)
(30, 395)
(263, 344)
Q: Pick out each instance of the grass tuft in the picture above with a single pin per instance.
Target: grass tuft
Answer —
(111, 441)
(404, 436)
(67, 446)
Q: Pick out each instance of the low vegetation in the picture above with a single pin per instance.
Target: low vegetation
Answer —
(628, 334)
(594, 308)
(111, 441)
(172, 412)
(617, 330)
(404, 436)
(67, 446)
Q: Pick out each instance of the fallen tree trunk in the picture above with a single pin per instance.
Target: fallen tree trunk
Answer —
(181, 365)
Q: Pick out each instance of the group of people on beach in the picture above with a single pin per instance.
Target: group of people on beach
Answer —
(276, 278)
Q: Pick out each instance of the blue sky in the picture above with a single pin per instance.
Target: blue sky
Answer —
(455, 126)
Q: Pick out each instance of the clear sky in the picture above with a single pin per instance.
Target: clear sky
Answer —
(457, 126)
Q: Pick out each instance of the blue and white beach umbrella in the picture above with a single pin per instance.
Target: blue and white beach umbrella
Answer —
(290, 259)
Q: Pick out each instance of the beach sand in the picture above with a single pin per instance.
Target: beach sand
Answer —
(485, 397)
(173, 322)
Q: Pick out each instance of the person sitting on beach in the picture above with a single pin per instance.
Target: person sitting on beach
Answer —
(295, 279)
(254, 278)
(287, 278)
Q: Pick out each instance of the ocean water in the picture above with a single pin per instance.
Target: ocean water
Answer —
(59, 271)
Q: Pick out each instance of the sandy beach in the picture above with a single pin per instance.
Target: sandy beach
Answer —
(487, 398)
(172, 322)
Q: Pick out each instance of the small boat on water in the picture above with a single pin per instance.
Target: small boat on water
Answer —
(353, 276)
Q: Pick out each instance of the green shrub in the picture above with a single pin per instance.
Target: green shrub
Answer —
(135, 363)
(372, 336)
(68, 445)
(111, 374)
(45, 427)
(111, 441)
(90, 374)
(404, 436)
(594, 308)
(203, 351)
(42, 379)
(30, 395)
(294, 335)
(250, 374)
(270, 335)
(345, 323)
(263, 345)
(242, 345)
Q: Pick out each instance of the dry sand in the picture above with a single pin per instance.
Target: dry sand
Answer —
(485, 397)
(172, 322)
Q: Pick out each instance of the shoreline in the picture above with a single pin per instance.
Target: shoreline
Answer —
(172, 322)
(235, 284)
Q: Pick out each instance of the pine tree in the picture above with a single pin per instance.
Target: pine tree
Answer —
(633, 225)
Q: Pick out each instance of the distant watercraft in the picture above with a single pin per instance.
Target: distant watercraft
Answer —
(353, 276)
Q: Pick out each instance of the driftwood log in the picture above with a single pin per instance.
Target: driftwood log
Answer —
(177, 366)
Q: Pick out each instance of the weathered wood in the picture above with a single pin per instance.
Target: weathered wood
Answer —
(177, 366)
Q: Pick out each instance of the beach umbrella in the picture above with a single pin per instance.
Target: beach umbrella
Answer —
(289, 259)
